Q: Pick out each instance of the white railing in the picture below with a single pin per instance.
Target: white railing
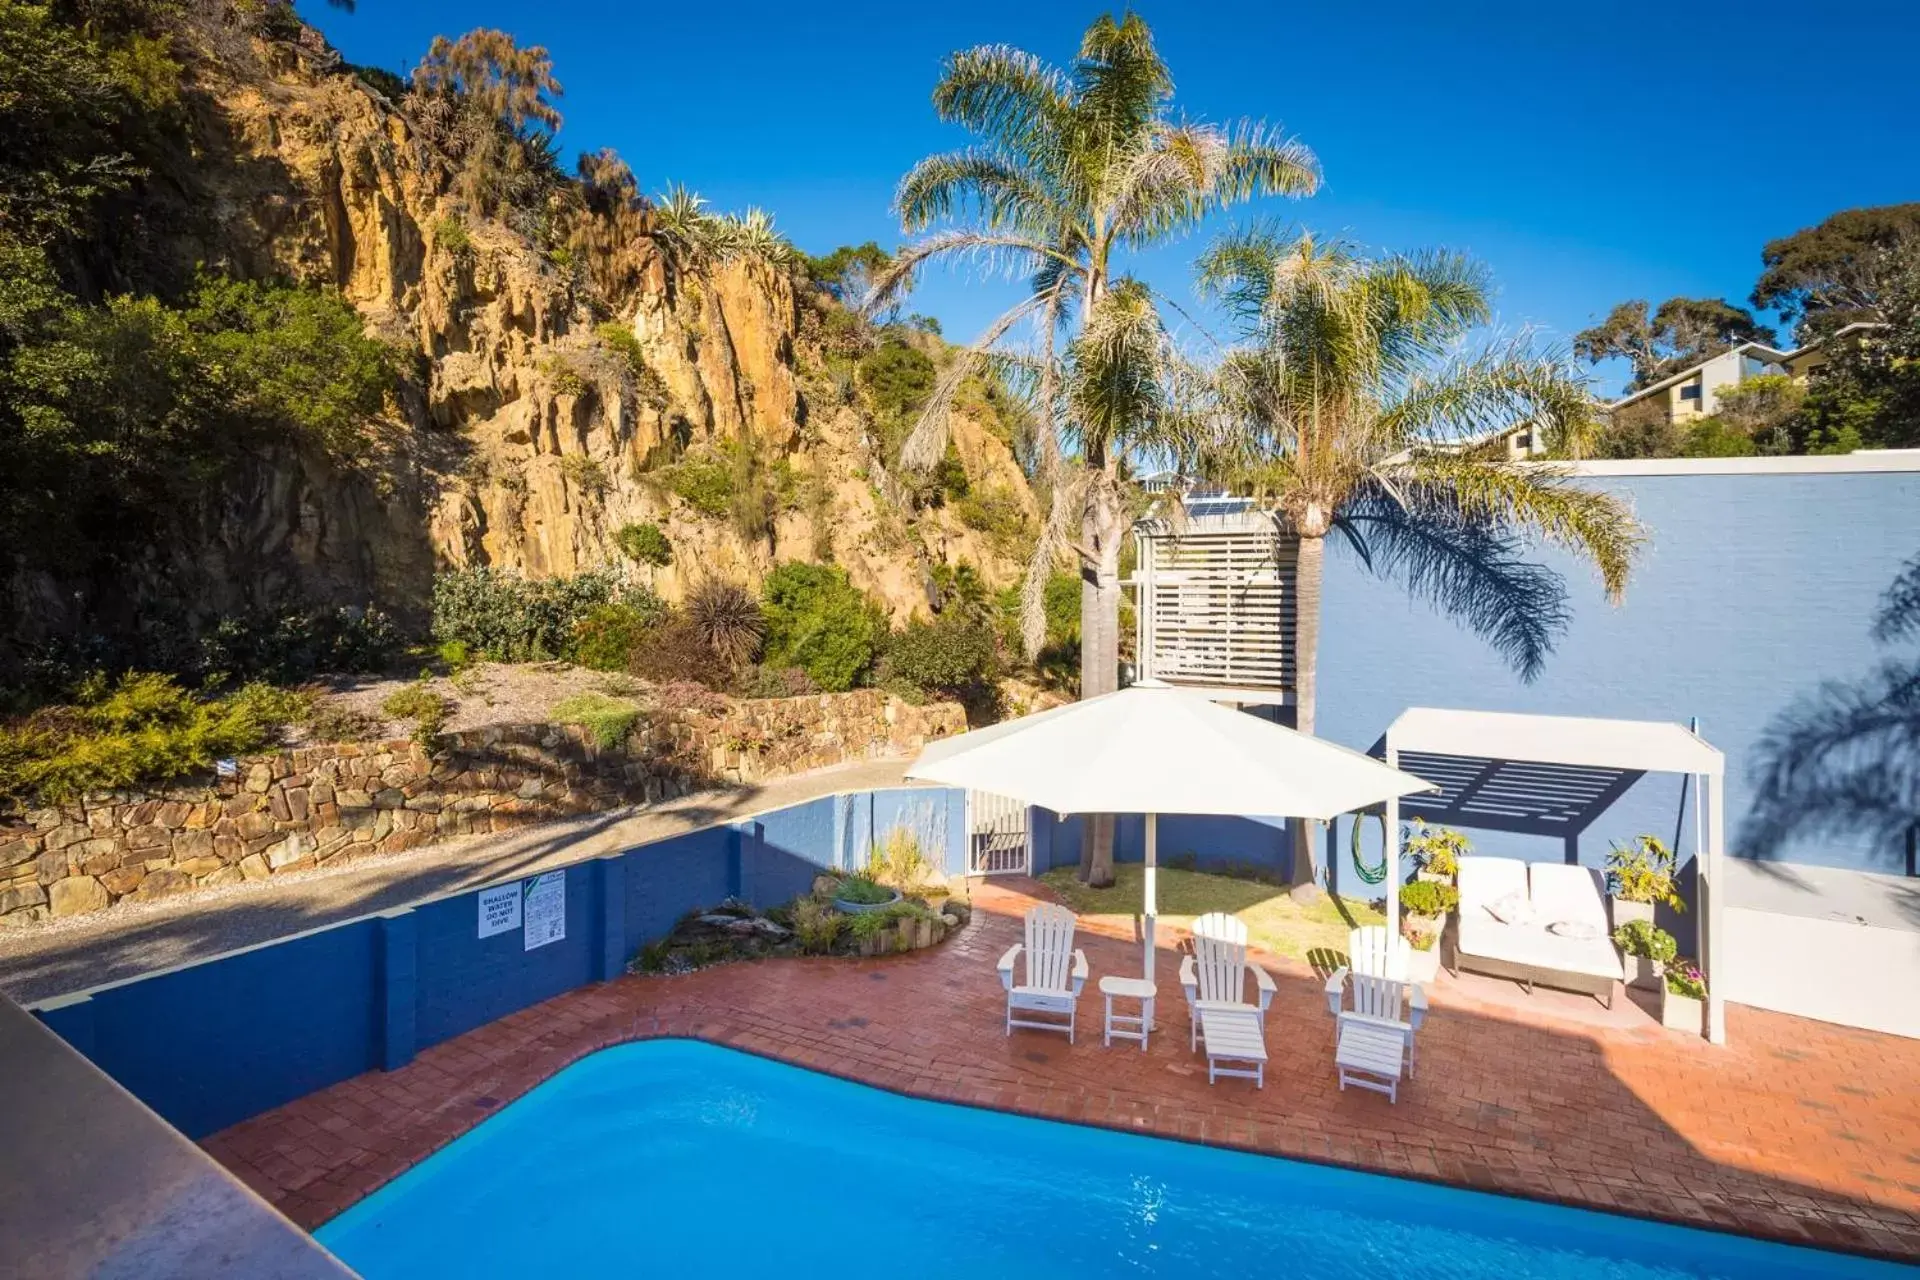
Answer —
(997, 836)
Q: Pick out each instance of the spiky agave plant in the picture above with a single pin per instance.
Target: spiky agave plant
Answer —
(728, 619)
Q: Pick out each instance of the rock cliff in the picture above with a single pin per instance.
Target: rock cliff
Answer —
(529, 432)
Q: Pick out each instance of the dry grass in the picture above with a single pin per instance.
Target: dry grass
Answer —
(485, 693)
(1275, 922)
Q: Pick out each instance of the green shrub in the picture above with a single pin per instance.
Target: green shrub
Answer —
(450, 236)
(141, 730)
(996, 512)
(948, 657)
(605, 639)
(898, 378)
(704, 483)
(863, 890)
(508, 618)
(816, 925)
(819, 621)
(428, 711)
(644, 544)
(1644, 938)
(1426, 898)
(455, 656)
(607, 720)
(288, 645)
(565, 376)
(292, 357)
(586, 474)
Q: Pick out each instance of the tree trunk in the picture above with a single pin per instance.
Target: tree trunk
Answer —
(1101, 528)
(1310, 572)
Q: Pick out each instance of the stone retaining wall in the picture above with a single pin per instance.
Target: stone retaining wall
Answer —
(312, 805)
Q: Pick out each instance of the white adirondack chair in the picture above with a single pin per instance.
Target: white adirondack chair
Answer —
(1215, 974)
(1055, 971)
(1373, 1040)
(1372, 952)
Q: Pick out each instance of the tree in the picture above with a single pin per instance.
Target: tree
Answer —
(490, 103)
(1680, 333)
(1071, 169)
(1346, 406)
(1830, 275)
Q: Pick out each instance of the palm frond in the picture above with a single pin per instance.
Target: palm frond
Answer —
(1528, 496)
(926, 444)
(1898, 617)
(1466, 568)
(996, 252)
(1007, 95)
(1067, 500)
(1000, 191)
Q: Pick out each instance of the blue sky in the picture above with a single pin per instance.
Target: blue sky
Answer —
(1588, 154)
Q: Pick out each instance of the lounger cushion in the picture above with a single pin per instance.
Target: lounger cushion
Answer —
(1511, 908)
(1534, 946)
(1570, 893)
(1484, 880)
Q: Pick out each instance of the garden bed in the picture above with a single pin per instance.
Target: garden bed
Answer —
(810, 925)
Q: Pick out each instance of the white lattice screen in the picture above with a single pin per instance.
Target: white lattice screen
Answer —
(1216, 604)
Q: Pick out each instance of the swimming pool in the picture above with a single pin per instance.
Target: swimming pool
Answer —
(673, 1157)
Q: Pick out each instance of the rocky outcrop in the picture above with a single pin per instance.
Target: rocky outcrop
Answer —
(313, 806)
(525, 439)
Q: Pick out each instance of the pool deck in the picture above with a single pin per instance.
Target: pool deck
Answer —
(1795, 1131)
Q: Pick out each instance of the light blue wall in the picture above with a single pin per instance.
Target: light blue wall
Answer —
(1753, 590)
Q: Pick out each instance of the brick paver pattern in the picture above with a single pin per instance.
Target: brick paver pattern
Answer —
(1795, 1130)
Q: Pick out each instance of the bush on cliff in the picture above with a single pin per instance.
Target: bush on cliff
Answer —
(819, 621)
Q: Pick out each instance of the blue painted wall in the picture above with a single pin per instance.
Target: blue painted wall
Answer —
(210, 1045)
(1753, 590)
(1210, 841)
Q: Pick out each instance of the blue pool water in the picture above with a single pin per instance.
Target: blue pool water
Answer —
(675, 1158)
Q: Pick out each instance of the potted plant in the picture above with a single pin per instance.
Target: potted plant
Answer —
(1684, 997)
(1438, 850)
(1640, 874)
(1424, 961)
(1649, 948)
(1426, 904)
(857, 895)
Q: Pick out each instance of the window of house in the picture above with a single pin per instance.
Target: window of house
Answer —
(1690, 392)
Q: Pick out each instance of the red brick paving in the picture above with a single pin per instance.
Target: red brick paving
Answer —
(1795, 1130)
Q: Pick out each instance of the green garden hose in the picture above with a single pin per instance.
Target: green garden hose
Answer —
(1371, 875)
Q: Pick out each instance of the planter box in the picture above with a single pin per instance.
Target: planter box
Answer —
(1426, 924)
(1645, 973)
(861, 908)
(1681, 1013)
(1424, 966)
(1624, 911)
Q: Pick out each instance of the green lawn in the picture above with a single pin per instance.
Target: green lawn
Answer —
(1275, 922)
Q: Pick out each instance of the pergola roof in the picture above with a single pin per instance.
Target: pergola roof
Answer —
(1640, 746)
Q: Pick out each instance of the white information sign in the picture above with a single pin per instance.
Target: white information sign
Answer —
(545, 908)
(499, 909)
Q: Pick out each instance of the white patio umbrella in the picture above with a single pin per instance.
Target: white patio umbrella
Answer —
(1154, 749)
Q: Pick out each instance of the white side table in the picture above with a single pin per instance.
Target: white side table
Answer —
(1126, 1026)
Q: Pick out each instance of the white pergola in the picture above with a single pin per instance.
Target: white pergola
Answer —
(1537, 774)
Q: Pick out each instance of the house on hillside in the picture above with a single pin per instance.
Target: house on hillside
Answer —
(1695, 392)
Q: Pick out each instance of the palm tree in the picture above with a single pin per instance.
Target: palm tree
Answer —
(1071, 169)
(1351, 405)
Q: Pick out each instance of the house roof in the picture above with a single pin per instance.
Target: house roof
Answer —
(1772, 353)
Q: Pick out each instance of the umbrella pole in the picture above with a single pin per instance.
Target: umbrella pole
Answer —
(1153, 840)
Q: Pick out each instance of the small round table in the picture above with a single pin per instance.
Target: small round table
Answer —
(1126, 1026)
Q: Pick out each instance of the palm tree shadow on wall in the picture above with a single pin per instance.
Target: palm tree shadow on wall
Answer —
(1844, 761)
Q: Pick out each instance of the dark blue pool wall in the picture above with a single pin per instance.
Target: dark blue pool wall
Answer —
(1206, 841)
(210, 1045)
